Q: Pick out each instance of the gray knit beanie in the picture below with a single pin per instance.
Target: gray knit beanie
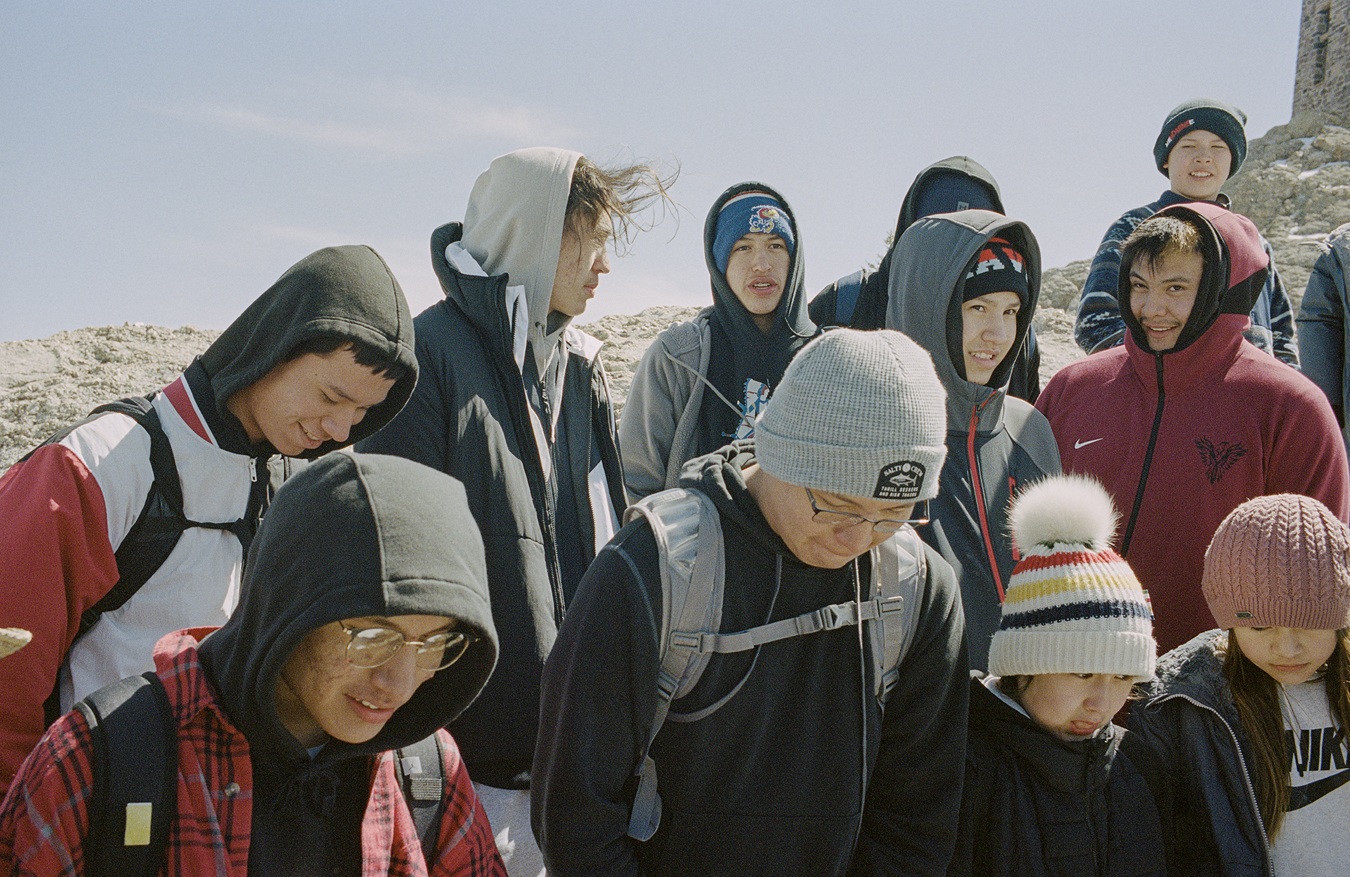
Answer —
(1279, 561)
(857, 414)
(1203, 114)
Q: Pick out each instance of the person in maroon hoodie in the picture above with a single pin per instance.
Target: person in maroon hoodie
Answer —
(1187, 420)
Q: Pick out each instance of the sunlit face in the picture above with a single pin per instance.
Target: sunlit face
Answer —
(757, 271)
(581, 261)
(1162, 295)
(314, 398)
(788, 510)
(988, 329)
(321, 695)
(1074, 706)
(1198, 165)
(1287, 654)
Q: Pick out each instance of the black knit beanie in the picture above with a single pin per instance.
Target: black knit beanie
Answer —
(1203, 114)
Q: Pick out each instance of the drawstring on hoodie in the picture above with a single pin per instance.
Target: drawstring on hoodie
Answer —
(979, 493)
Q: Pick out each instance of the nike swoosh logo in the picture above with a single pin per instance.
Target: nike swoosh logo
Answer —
(1302, 796)
(1077, 445)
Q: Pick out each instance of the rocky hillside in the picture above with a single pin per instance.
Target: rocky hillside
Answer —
(1295, 185)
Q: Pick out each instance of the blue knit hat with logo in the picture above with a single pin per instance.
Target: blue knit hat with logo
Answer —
(750, 212)
(1203, 114)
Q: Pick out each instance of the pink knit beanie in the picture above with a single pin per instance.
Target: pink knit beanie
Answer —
(1279, 561)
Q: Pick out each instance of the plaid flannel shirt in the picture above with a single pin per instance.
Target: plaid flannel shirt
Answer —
(44, 817)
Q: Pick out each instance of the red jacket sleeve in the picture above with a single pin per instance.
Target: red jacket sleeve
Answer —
(55, 562)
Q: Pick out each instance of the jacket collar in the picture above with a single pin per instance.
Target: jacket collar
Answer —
(1213, 351)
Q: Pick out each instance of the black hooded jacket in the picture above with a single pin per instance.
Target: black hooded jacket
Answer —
(870, 310)
(350, 536)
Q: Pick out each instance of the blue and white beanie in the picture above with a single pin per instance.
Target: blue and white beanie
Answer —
(750, 212)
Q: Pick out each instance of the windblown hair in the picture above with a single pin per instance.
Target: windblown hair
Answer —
(1159, 235)
(621, 192)
(1256, 695)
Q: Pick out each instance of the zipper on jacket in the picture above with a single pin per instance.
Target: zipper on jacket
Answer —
(979, 495)
(1148, 459)
(1246, 775)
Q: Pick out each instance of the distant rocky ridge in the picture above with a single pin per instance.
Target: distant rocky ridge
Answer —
(1295, 185)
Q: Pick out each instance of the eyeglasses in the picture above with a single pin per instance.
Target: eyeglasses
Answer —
(369, 647)
(842, 520)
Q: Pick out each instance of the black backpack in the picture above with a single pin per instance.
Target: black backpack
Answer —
(135, 767)
(158, 527)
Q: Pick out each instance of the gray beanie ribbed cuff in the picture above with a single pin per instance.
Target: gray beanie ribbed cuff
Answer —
(858, 414)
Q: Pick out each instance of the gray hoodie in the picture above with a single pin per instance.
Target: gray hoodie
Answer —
(996, 443)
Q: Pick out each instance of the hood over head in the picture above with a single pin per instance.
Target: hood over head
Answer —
(927, 285)
(1236, 267)
(353, 535)
(514, 225)
(347, 291)
(790, 317)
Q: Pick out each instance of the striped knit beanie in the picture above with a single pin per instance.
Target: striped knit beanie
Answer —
(1073, 605)
(1279, 561)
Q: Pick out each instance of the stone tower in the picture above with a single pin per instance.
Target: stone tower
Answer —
(1322, 77)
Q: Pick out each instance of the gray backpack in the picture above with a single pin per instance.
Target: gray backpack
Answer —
(688, 535)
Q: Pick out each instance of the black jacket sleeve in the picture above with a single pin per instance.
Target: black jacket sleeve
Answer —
(914, 796)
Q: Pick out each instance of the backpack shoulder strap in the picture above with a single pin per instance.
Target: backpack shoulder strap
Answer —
(899, 572)
(421, 775)
(688, 534)
(135, 766)
(846, 292)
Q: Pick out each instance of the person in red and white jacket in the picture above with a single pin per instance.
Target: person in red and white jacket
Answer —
(323, 358)
(1188, 420)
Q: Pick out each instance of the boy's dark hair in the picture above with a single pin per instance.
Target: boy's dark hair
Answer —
(620, 192)
(364, 354)
(1158, 235)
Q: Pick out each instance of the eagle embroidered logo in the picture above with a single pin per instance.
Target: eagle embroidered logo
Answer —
(763, 219)
(1218, 459)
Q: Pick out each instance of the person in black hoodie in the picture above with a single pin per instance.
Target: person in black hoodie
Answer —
(701, 383)
(361, 628)
(798, 765)
(1053, 787)
(861, 299)
(321, 359)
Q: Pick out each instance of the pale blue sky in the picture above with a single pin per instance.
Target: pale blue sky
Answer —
(165, 162)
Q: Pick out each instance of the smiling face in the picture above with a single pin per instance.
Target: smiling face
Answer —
(1073, 706)
(314, 398)
(1198, 165)
(1287, 654)
(582, 258)
(1162, 295)
(787, 508)
(321, 694)
(988, 330)
(757, 271)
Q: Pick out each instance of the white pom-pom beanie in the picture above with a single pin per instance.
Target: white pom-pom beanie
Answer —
(1073, 605)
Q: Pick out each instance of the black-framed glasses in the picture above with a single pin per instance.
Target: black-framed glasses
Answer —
(842, 520)
(369, 647)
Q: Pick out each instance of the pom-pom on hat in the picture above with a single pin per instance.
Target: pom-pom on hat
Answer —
(1073, 605)
(857, 414)
(1279, 561)
(750, 212)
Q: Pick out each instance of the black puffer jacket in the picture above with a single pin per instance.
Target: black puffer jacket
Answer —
(469, 418)
(1035, 805)
(1191, 722)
